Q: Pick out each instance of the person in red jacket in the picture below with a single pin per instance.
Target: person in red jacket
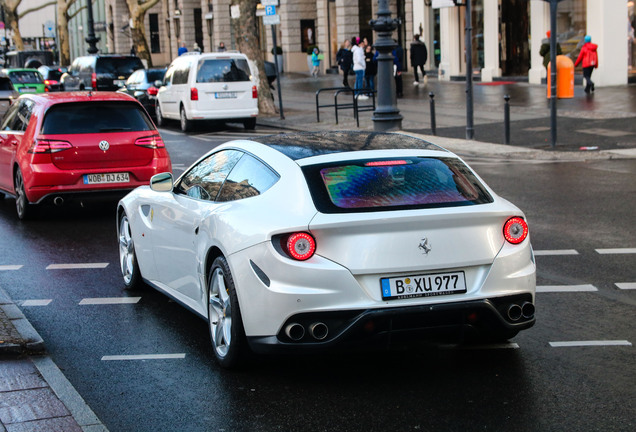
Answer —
(589, 58)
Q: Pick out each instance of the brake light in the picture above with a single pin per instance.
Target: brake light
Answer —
(152, 91)
(300, 246)
(49, 146)
(386, 163)
(153, 142)
(194, 94)
(254, 92)
(94, 81)
(515, 230)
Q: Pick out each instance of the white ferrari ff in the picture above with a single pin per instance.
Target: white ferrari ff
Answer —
(311, 240)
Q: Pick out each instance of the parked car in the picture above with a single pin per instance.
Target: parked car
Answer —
(59, 146)
(52, 76)
(210, 86)
(25, 80)
(100, 72)
(142, 85)
(8, 94)
(28, 59)
(310, 240)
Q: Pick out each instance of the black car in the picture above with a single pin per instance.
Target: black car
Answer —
(52, 77)
(100, 72)
(8, 94)
(141, 86)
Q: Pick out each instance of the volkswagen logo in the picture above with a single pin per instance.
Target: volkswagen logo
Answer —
(225, 87)
(425, 245)
(103, 145)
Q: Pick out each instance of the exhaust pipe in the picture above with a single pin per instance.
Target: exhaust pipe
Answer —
(319, 330)
(295, 331)
(527, 310)
(58, 201)
(514, 312)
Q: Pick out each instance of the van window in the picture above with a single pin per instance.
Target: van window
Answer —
(223, 70)
(181, 73)
(95, 117)
(118, 65)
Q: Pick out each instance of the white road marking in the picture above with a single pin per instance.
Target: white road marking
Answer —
(565, 288)
(110, 300)
(41, 302)
(616, 251)
(76, 266)
(626, 285)
(590, 343)
(10, 267)
(144, 357)
(505, 345)
(556, 252)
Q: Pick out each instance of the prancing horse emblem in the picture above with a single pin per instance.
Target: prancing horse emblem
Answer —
(425, 246)
(103, 145)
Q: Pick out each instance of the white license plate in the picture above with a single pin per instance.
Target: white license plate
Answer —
(225, 95)
(27, 90)
(106, 178)
(423, 285)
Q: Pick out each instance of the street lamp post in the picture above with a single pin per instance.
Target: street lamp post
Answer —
(553, 71)
(91, 39)
(386, 115)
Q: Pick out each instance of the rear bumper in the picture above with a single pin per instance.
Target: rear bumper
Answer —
(221, 114)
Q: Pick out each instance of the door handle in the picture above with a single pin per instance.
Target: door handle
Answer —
(196, 230)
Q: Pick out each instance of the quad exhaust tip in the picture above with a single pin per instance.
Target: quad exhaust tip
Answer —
(516, 312)
(295, 331)
(527, 310)
(58, 201)
(318, 330)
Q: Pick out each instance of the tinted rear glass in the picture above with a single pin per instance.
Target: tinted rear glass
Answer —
(54, 75)
(373, 185)
(118, 65)
(223, 70)
(154, 75)
(25, 77)
(95, 117)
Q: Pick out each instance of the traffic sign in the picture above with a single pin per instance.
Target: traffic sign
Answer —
(270, 10)
(269, 2)
(271, 20)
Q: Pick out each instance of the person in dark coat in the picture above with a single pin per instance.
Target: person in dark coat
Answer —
(398, 53)
(544, 51)
(344, 58)
(419, 56)
(372, 67)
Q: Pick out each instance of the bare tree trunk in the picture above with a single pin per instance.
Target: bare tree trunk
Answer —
(137, 13)
(11, 21)
(247, 38)
(62, 32)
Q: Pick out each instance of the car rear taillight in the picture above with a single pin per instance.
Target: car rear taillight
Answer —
(194, 94)
(94, 81)
(515, 230)
(49, 146)
(300, 246)
(152, 91)
(153, 142)
(254, 92)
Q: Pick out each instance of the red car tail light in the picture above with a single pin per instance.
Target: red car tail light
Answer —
(515, 230)
(300, 246)
(254, 92)
(194, 94)
(94, 81)
(153, 142)
(49, 146)
(152, 91)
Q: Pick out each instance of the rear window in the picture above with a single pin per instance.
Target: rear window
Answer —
(118, 65)
(223, 70)
(154, 75)
(95, 117)
(377, 185)
(25, 77)
(54, 75)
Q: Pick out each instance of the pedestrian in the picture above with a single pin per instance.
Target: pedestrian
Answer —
(398, 53)
(196, 48)
(315, 61)
(221, 47)
(344, 58)
(182, 49)
(371, 68)
(359, 65)
(589, 59)
(544, 51)
(419, 56)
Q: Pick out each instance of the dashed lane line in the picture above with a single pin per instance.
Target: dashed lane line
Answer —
(626, 285)
(38, 302)
(616, 251)
(144, 357)
(565, 288)
(555, 252)
(10, 267)
(77, 266)
(110, 300)
(567, 344)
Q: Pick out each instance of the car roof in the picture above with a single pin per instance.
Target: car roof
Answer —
(53, 98)
(301, 145)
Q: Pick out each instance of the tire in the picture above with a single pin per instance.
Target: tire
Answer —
(161, 121)
(224, 316)
(250, 123)
(23, 208)
(127, 256)
(186, 125)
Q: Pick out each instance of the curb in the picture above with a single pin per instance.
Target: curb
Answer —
(30, 340)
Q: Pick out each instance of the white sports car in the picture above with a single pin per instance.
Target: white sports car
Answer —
(310, 240)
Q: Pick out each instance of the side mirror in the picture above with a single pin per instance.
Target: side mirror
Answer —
(158, 83)
(162, 182)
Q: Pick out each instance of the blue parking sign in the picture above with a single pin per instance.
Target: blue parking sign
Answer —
(270, 10)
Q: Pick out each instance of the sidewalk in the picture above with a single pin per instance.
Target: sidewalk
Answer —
(34, 394)
(601, 123)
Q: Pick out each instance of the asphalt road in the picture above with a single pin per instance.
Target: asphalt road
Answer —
(582, 227)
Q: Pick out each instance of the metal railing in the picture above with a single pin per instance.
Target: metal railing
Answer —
(354, 104)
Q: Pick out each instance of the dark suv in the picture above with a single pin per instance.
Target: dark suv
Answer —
(100, 72)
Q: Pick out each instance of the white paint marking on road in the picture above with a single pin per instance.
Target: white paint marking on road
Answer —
(144, 357)
(110, 300)
(616, 251)
(10, 267)
(507, 345)
(555, 252)
(39, 302)
(565, 288)
(566, 344)
(626, 285)
(76, 266)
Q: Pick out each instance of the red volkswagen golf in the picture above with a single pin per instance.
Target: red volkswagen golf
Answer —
(56, 146)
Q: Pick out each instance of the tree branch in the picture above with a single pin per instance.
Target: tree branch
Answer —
(33, 9)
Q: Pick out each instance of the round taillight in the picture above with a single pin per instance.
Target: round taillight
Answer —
(301, 246)
(515, 230)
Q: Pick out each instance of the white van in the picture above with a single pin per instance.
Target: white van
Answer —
(208, 86)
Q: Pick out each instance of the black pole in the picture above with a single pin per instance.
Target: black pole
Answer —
(280, 97)
(470, 128)
(386, 115)
(507, 119)
(553, 71)
(91, 39)
(431, 95)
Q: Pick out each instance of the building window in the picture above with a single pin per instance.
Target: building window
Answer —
(155, 46)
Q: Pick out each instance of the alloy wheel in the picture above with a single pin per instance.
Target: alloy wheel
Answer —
(126, 251)
(220, 314)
